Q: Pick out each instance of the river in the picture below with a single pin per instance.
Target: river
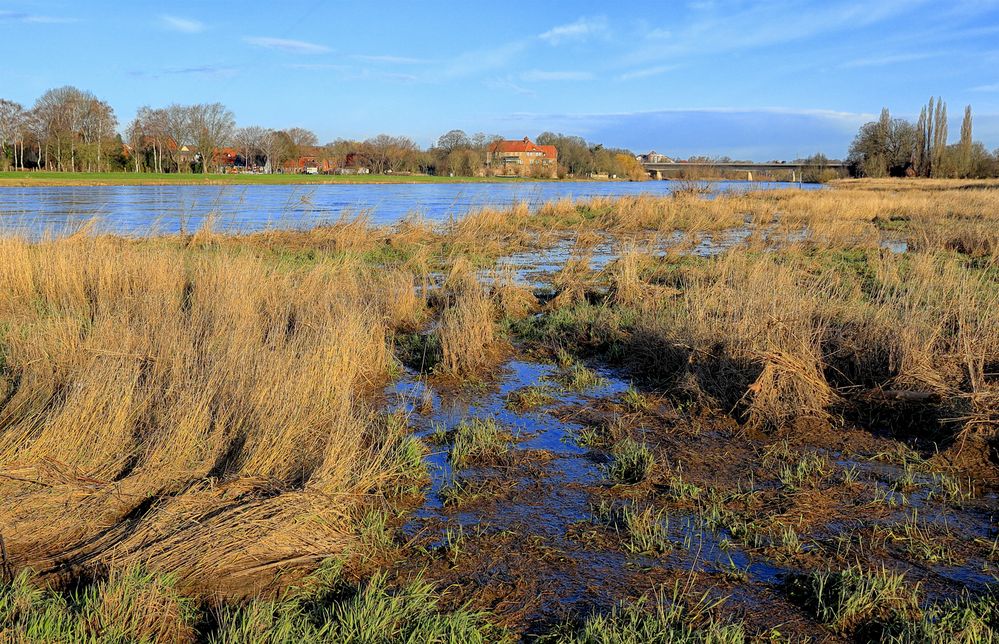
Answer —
(142, 210)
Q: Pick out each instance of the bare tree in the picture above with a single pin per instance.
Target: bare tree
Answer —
(251, 141)
(453, 140)
(176, 126)
(277, 147)
(11, 128)
(136, 137)
(97, 125)
(212, 126)
(301, 137)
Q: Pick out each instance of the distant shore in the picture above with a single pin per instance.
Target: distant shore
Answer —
(28, 179)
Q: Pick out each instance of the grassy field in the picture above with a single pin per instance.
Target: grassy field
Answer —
(22, 179)
(765, 416)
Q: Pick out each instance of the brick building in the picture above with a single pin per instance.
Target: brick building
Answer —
(522, 158)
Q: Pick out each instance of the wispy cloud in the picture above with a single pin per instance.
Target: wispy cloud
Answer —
(353, 72)
(287, 45)
(212, 71)
(183, 25)
(647, 72)
(474, 62)
(880, 61)
(991, 87)
(581, 29)
(392, 60)
(31, 18)
(541, 76)
(721, 29)
(507, 85)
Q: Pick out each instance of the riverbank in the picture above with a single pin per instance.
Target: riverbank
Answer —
(915, 184)
(765, 416)
(29, 179)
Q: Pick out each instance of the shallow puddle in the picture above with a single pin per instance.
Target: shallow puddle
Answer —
(536, 524)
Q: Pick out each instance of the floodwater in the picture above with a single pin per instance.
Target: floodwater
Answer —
(537, 532)
(139, 210)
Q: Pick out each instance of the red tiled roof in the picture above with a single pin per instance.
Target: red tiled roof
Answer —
(524, 145)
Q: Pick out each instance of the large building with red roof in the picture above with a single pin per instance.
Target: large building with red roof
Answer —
(522, 158)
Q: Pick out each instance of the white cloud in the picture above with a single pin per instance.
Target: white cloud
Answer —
(541, 76)
(581, 29)
(992, 87)
(183, 25)
(647, 72)
(287, 45)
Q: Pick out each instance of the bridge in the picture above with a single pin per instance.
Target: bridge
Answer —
(662, 170)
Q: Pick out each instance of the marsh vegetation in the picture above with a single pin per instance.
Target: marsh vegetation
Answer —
(767, 415)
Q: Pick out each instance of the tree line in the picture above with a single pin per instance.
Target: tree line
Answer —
(895, 147)
(71, 130)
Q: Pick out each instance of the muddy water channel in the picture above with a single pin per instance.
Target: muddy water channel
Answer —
(542, 528)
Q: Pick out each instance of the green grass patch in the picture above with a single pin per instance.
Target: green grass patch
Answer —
(478, 441)
(854, 597)
(632, 462)
(530, 397)
(675, 616)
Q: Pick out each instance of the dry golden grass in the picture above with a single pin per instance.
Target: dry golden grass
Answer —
(198, 404)
(199, 412)
(467, 326)
(915, 184)
(764, 333)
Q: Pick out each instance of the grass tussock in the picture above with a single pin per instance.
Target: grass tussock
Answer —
(675, 615)
(210, 404)
(854, 597)
(467, 326)
(632, 462)
(478, 441)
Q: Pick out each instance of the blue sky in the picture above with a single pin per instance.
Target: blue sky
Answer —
(759, 80)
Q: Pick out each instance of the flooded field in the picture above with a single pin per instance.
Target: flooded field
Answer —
(170, 209)
(752, 417)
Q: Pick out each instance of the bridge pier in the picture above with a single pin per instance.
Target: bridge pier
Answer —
(750, 173)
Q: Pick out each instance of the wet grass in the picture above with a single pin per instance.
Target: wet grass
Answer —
(477, 442)
(631, 462)
(196, 422)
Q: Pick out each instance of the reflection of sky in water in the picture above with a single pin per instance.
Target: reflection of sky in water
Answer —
(168, 209)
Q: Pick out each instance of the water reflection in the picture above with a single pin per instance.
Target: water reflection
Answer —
(140, 210)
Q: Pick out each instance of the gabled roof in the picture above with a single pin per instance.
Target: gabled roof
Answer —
(524, 145)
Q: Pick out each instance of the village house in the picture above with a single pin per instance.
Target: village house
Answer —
(522, 158)
(654, 157)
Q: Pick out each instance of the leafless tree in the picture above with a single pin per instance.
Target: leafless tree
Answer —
(11, 129)
(251, 141)
(212, 126)
(277, 147)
